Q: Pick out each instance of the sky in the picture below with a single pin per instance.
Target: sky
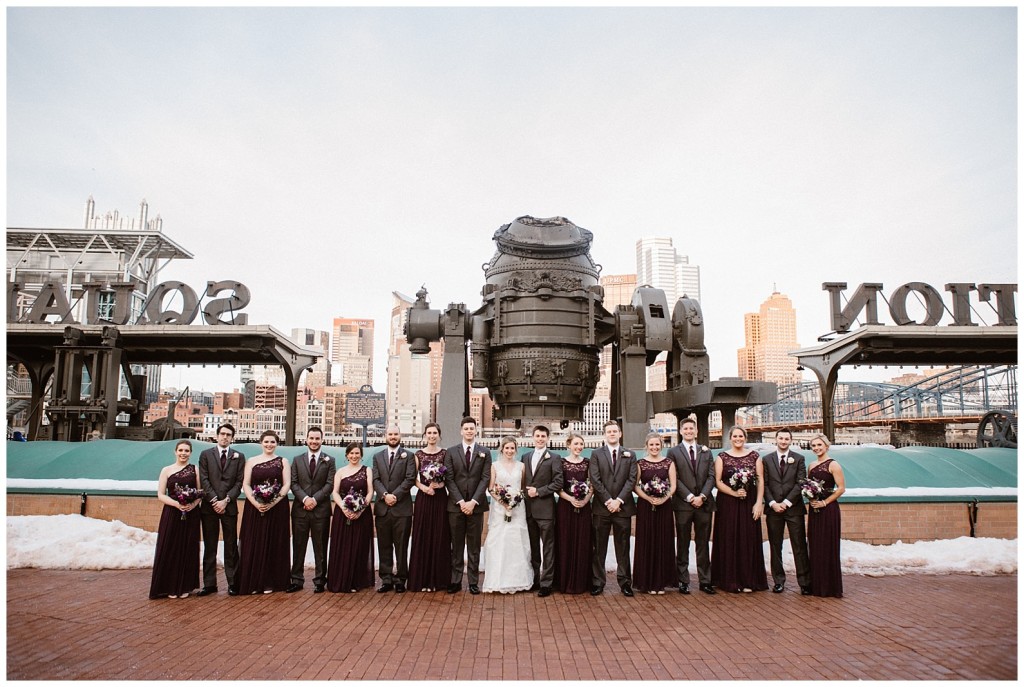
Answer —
(74, 542)
(326, 157)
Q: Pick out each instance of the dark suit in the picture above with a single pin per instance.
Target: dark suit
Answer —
(316, 522)
(216, 486)
(689, 518)
(610, 483)
(467, 483)
(540, 513)
(393, 522)
(778, 487)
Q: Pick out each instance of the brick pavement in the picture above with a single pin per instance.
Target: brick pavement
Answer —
(101, 625)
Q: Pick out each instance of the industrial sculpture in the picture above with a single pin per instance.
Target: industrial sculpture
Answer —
(535, 341)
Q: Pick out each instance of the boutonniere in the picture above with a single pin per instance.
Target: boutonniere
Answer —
(703, 447)
(627, 454)
(481, 454)
(404, 454)
(236, 454)
(789, 459)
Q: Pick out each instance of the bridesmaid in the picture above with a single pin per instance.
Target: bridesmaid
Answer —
(574, 542)
(430, 561)
(265, 536)
(654, 559)
(824, 525)
(176, 565)
(737, 555)
(350, 554)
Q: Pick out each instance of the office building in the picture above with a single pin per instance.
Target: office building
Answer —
(770, 335)
(659, 265)
(352, 351)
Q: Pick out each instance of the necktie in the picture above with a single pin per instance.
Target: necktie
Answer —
(614, 452)
(782, 465)
(469, 456)
(223, 461)
(312, 465)
(693, 461)
(391, 459)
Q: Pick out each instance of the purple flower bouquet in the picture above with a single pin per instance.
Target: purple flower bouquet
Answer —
(743, 478)
(507, 497)
(433, 474)
(578, 490)
(265, 492)
(812, 490)
(186, 494)
(353, 502)
(655, 488)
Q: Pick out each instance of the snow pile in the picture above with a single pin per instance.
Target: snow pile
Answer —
(77, 543)
(974, 556)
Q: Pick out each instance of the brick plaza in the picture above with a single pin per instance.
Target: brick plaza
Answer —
(95, 625)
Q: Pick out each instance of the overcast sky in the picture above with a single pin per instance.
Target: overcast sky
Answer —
(326, 157)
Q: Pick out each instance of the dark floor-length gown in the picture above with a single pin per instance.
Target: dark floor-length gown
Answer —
(824, 530)
(654, 557)
(176, 564)
(430, 559)
(574, 543)
(350, 554)
(737, 554)
(265, 538)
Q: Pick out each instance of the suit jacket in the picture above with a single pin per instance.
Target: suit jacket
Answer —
(613, 484)
(216, 485)
(689, 483)
(547, 481)
(319, 485)
(398, 479)
(467, 484)
(778, 488)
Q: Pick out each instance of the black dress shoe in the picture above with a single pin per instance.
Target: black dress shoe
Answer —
(318, 589)
(386, 587)
(232, 591)
(535, 587)
(778, 588)
(684, 588)
(473, 589)
(294, 588)
(707, 589)
(206, 590)
(806, 591)
(544, 591)
(627, 590)
(596, 591)
(453, 588)
(399, 588)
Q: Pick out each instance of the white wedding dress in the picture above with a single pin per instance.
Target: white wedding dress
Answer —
(507, 566)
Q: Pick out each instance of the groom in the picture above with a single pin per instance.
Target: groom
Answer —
(783, 470)
(469, 470)
(543, 478)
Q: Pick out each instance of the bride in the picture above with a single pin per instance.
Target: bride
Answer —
(507, 549)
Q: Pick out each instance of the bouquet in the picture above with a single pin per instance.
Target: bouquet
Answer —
(353, 502)
(812, 489)
(656, 487)
(507, 497)
(265, 492)
(578, 490)
(742, 478)
(433, 474)
(186, 494)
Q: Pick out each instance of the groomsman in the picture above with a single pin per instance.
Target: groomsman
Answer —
(469, 471)
(394, 474)
(613, 476)
(312, 484)
(220, 477)
(693, 506)
(543, 475)
(783, 470)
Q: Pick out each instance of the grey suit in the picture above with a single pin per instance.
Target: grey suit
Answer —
(779, 487)
(314, 523)
(540, 513)
(216, 486)
(688, 518)
(467, 483)
(395, 477)
(610, 482)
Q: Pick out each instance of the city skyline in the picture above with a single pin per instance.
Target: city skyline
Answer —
(797, 146)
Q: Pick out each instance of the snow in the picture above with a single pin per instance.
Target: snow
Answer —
(78, 543)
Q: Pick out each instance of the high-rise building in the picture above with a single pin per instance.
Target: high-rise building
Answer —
(618, 290)
(413, 380)
(352, 350)
(770, 334)
(659, 265)
(319, 375)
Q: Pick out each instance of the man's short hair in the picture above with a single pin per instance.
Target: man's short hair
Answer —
(314, 429)
(541, 428)
(611, 423)
(228, 427)
(784, 430)
(688, 421)
(467, 421)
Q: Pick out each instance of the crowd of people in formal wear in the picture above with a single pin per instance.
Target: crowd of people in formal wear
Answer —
(549, 516)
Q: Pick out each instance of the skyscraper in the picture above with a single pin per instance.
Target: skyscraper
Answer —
(770, 335)
(413, 380)
(352, 350)
(659, 265)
